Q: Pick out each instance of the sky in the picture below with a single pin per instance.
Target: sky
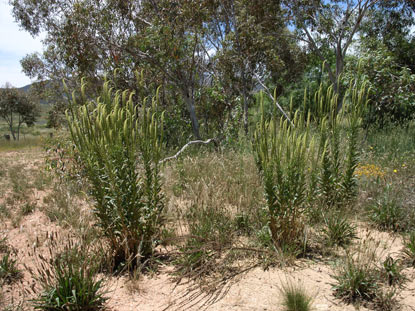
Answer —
(15, 43)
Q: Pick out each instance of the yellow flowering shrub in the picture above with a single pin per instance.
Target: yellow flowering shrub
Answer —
(369, 171)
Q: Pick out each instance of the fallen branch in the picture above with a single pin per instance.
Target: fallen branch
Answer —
(193, 142)
(274, 99)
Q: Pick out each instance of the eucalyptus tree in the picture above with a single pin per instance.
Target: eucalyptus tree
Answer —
(89, 38)
(329, 25)
(16, 109)
(390, 24)
(252, 43)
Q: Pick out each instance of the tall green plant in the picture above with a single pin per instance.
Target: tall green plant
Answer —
(358, 100)
(300, 161)
(282, 153)
(120, 146)
(339, 131)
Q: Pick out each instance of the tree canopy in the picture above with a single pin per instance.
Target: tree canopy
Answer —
(209, 57)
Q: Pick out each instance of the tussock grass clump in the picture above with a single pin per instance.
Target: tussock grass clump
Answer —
(295, 298)
(67, 277)
(214, 200)
(357, 274)
(386, 300)
(9, 272)
(388, 213)
(337, 230)
(409, 249)
(211, 232)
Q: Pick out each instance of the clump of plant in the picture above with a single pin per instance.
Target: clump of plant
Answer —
(67, 277)
(387, 212)
(391, 271)
(27, 208)
(337, 230)
(302, 168)
(386, 300)
(357, 274)
(211, 231)
(337, 184)
(282, 150)
(9, 271)
(409, 249)
(119, 143)
(295, 298)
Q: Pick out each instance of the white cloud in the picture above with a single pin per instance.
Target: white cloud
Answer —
(14, 45)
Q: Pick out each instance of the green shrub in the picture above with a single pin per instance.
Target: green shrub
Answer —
(119, 144)
(295, 298)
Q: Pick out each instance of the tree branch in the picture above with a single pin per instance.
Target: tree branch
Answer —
(193, 142)
(267, 91)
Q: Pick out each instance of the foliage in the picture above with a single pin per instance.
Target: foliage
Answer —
(409, 248)
(120, 148)
(9, 271)
(393, 94)
(387, 212)
(389, 24)
(337, 230)
(295, 298)
(281, 153)
(67, 278)
(329, 26)
(356, 276)
(15, 104)
(186, 47)
(301, 166)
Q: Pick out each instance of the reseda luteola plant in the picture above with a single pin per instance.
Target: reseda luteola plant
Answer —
(304, 164)
(120, 146)
(282, 153)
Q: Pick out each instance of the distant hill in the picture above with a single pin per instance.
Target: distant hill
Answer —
(25, 88)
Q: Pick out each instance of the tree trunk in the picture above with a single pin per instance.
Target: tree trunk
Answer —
(11, 125)
(339, 71)
(245, 112)
(245, 102)
(18, 128)
(190, 102)
(12, 132)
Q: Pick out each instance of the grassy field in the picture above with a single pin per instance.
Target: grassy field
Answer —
(30, 137)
